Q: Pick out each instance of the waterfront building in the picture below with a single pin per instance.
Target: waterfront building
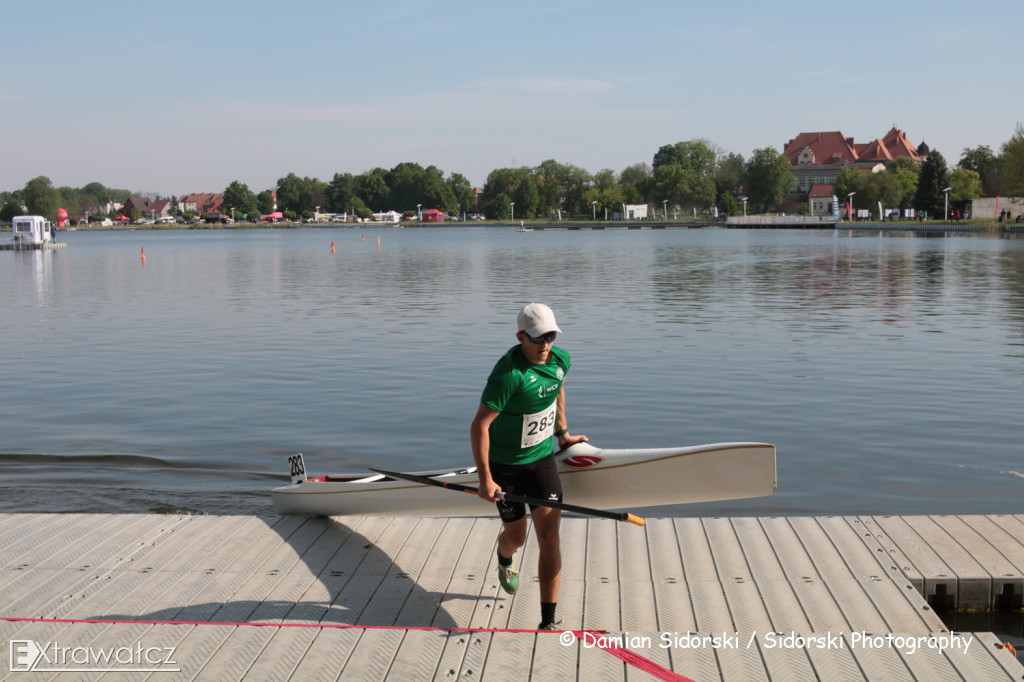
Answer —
(817, 158)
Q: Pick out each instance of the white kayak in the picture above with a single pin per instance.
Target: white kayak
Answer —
(592, 477)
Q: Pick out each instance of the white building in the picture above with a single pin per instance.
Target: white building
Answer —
(634, 211)
(32, 229)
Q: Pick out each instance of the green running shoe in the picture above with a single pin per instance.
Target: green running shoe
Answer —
(508, 578)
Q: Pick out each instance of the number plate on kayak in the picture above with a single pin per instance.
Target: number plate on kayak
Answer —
(297, 467)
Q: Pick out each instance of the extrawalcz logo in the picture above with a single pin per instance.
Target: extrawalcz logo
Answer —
(29, 656)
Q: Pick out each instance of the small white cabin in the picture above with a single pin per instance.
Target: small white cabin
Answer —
(32, 229)
(634, 211)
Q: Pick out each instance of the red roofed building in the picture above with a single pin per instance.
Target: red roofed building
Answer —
(161, 208)
(817, 158)
(821, 199)
(201, 204)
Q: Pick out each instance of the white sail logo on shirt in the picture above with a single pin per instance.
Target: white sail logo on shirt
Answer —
(546, 390)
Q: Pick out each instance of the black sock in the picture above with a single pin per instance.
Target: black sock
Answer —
(547, 612)
(503, 561)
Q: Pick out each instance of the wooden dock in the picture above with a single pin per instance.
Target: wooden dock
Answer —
(22, 246)
(367, 598)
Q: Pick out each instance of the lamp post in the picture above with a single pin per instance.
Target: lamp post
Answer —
(512, 205)
(593, 204)
(744, 200)
(849, 205)
(946, 192)
(664, 208)
(419, 214)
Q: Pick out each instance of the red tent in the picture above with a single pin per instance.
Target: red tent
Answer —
(433, 216)
(122, 218)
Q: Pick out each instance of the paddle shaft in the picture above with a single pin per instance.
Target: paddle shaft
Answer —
(511, 497)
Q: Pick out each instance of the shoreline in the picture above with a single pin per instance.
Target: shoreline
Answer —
(753, 222)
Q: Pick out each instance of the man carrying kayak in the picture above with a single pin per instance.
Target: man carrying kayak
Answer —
(521, 409)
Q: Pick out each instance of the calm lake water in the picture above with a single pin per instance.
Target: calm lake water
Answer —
(886, 368)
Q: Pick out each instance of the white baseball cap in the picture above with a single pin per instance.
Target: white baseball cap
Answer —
(537, 319)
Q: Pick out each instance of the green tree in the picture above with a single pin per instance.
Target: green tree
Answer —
(100, 193)
(265, 202)
(341, 192)
(462, 191)
(405, 183)
(933, 179)
(289, 192)
(41, 198)
(683, 187)
(10, 210)
(239, 197)
(986, 164)
(561, 187)
(435, 191)
(695, 155)
(906, 172)
(684, 174)
(728, 204)
(606, 195)
(301, 195)
(768, 178)
(1013, 163)
(550, 175)
(966, 184)
(372, 188)
(637, 183)
(846, 181)
(527, 197)
(888, 188)
(867, 189)
(500, 190)
(729, 173)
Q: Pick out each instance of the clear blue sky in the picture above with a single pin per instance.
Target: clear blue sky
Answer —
(180, 97)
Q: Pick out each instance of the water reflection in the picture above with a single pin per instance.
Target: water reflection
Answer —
(858, 355)
(33, 274)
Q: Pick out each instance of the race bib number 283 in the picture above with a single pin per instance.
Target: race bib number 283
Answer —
(538, 426)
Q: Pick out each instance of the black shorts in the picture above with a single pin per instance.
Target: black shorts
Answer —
(537, 479)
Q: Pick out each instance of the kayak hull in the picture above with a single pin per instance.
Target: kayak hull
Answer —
(591, 477)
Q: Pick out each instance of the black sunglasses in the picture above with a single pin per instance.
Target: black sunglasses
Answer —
(543, 338)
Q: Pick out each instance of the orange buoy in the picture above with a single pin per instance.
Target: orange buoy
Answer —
(364, 236)
(378, 241)
(142, 253)
(332, 246)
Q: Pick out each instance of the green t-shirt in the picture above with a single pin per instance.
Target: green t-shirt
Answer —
(524, 395)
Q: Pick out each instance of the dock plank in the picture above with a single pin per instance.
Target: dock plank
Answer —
(889, 555)
(994, 549)
(403, 588)
(973, 582)
(707, 596)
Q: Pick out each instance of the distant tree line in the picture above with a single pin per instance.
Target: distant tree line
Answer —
(40, 197)
(685, 176)
(404, 188)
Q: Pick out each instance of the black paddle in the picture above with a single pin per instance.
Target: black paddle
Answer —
(623, 516)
